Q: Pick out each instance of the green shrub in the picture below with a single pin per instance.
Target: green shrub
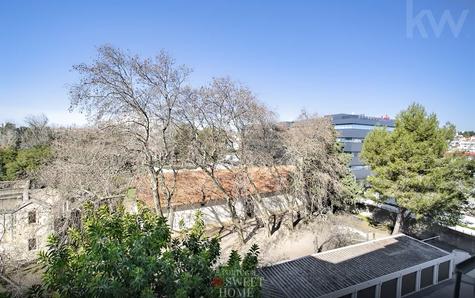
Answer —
(118, 254)
(17, 164)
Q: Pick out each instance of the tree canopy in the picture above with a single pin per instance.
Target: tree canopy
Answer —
(410, 165)
(468, 133)
(21, 163)
(24, 149)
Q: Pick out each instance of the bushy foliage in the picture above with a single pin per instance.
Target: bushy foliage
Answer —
(24, 149)
(17, 164)
(238, 278)
(7, 157)
(118, 254)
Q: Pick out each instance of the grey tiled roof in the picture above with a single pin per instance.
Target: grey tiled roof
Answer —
(327, 272)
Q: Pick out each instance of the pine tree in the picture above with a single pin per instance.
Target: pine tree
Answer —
(411, 166)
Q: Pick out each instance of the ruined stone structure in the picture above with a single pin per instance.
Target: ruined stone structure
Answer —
(26, 219)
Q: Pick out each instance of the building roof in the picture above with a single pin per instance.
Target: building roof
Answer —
(196, 187)
(362, 119)
(324, 273)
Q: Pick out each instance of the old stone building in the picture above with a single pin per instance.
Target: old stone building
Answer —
(26, 219)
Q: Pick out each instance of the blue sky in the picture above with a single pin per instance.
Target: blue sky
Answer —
(342, 56)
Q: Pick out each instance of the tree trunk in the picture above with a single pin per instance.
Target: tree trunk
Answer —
(155, 190)
(264, 216)
(235, 220)
(170, 215)
(399, 224)
(263, 211)
(296, 219)
(229, 200)
(291, 219)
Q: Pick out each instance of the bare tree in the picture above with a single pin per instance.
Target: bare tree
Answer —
(319, 165)
(219, 128)
(137, 96)
(37, 132)
(220, 119)
(89, 163)
(8, 135)
(261, 147)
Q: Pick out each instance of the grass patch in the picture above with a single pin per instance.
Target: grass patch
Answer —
(466, 226)
(375, 224)
(131, 193)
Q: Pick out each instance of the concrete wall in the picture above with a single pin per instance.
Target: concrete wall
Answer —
(458, 239)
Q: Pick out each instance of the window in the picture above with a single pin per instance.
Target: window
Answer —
(353, 126)
(346, 296)
(408, 283)
(444, 271)
(360, 167)
(32, 217)
(349, 140)
(389, 288)
(31, 244)
(360, 126)
(367, 293)
(427, 277)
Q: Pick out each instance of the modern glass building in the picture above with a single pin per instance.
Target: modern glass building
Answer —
(352, 129)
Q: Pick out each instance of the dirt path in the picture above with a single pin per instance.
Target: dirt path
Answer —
(305, 239)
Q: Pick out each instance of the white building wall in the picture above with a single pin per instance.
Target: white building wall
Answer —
(219, 215)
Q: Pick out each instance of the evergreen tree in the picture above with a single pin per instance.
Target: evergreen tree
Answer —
(411, 166)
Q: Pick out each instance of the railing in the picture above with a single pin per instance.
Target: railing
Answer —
(20, 184)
